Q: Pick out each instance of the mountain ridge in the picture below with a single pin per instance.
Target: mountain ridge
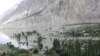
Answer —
(50, 13)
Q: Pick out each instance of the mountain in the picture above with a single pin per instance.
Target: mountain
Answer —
(43, 14)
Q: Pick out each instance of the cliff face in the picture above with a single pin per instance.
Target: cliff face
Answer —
(42, 14)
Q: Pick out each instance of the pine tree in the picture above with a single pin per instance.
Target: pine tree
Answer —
(40, 45)
(77, 48)
(56, 45)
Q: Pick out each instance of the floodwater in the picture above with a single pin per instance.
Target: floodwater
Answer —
(4, 39)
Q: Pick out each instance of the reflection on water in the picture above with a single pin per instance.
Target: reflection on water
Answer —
(4, 39)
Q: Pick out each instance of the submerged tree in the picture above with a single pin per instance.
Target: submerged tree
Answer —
(24, 34)
(18, 37)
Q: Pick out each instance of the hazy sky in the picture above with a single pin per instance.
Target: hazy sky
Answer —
(7, 4)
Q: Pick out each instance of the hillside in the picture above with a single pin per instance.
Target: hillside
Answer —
(42, 14)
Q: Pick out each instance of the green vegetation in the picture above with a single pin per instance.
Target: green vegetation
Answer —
(82, 31)
(36, 51)
(40, 45)
(56, 44)
(76, 48)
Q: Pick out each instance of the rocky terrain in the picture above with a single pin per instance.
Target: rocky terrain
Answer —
(49, 16)
(42, 14)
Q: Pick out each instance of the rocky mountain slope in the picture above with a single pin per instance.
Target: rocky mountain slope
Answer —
(43, 14)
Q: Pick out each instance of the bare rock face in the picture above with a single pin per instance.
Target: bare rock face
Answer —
(42, 14)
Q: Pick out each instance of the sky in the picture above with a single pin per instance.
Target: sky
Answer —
(7, 4)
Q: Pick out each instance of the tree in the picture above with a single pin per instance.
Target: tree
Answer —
(36, 51)
(40, 45)
(56, 45)
(77, 48)
(18, 36)
(25, 35)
